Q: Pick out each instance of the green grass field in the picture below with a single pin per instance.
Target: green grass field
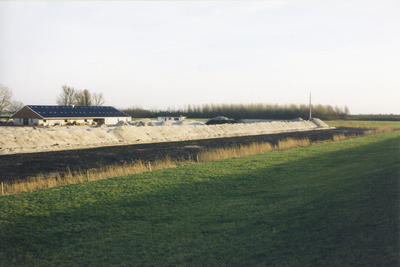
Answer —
(331, 204)
(375, 117)
(362, 124)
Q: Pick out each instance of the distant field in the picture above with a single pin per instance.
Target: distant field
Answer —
(374, 117)
(362, 124)
(331, 204)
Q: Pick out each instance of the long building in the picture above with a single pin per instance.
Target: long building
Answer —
(66, 115)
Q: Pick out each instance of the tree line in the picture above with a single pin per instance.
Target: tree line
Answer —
(70, 96)
(246, 111)
(7, 103)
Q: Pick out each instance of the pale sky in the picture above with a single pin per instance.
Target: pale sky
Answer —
(157, 54)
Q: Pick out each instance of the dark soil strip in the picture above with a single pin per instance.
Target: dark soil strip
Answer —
(21, 166)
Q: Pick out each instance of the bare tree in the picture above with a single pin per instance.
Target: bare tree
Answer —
(5, 97)
(83, 98)
(98, 99)
(346, 110)
(67, 96)
(14, 106)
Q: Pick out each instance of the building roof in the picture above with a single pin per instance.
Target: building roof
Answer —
(47, 112)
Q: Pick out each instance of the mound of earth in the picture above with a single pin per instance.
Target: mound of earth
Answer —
(16, 140)
(122, 123)
(144, 122)
(21, 166)
(319, 123)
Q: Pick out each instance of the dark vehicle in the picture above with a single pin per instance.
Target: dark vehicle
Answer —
(222, 120)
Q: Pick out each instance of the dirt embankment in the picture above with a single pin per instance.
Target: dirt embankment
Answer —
(15, 140)
(23, 165)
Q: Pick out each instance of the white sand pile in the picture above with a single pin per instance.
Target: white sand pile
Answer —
(37, 139)
(319, 123)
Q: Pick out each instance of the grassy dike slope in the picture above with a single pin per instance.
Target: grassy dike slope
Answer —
(332, 204)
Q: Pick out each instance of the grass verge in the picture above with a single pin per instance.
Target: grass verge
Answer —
(332, 204)
(41, 182)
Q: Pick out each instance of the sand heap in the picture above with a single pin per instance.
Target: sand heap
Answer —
(37, 139)
(319, 123)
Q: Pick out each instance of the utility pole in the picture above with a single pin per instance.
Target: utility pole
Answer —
(310, 106)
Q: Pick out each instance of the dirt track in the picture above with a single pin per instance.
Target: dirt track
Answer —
(21, 166)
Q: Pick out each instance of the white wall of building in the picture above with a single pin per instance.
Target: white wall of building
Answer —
(41, 122)
(111, 121)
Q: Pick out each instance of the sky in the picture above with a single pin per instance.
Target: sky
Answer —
(160, 54)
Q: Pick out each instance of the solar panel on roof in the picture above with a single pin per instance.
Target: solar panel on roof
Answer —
(77, 111)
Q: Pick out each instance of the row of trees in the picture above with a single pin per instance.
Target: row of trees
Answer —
(7, 104)
(70, 96)
(247, 111)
